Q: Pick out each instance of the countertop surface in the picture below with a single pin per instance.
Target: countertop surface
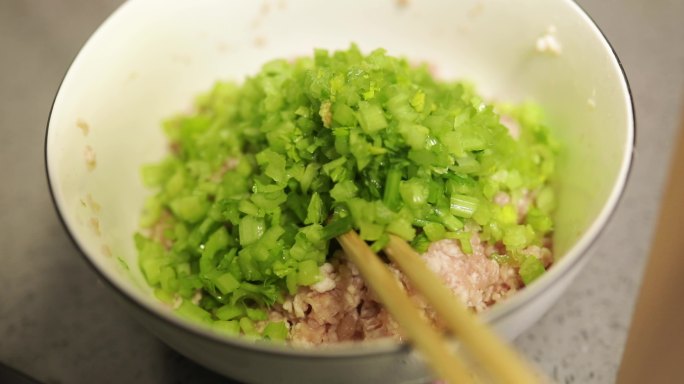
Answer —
(60, 325)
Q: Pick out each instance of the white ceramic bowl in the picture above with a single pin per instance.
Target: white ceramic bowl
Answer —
(150, 58)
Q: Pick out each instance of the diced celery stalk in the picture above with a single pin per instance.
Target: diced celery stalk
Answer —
(402, 228)
(276, 331)
(167, 279)
(344, 191)
(226, 327)
(515, 237)
(192, 312)
(164, 296)
(337, 227)
(434, 231)
(151, 268)
(415, 135)
(391, 196)
(463, 206)
(343, 115)
(151, 212)
(190, 208)
(530, 269)
(452, 223)
(217, 241)
(247, 327)
(507, 214)
(226, 283)
(371, 117)
(251, 229)
(371, 231)
(414, 192)
(307, 272)
(256, 314)
(314, 213)
(229, 312)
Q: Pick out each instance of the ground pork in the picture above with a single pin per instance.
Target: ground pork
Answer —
(341, 308)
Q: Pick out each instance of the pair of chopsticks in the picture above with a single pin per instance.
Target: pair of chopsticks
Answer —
(496, 356)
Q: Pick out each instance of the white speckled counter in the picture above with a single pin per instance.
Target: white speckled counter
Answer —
(58, 324)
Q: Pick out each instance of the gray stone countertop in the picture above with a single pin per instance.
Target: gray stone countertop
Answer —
(60, 325)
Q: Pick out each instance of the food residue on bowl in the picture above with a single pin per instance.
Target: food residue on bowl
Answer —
(89, 157)
(548, 43)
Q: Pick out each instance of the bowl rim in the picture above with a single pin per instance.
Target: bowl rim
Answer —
(576, 254)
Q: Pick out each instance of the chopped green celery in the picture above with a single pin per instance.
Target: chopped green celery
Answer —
(343, 115)
(191, 208)
(192, 312)
(463, 206)
(154, 175)
(416, 136)
(391, 196)
(530, 269)
(414, 192)
(151, 212)
(371, 117)
(226, 283)
(275, 165)
(264, 175)
(337, 227)
(402, 228)
(256, 314)
(380, 243)
(247, 327)
(545, 200)
(276, 330)
(314, 213)
(344, 190)
(434, 231)
(506, 215)
(229, 312)
(420, 243)
(539, 221)
(165, 297)
(517, 236)
(451, 223)
(167, 279)
(371, 231)
(251, 229)
(151, 268)
(307, 272)
(216, 242)
(226, 327)
(464, 241)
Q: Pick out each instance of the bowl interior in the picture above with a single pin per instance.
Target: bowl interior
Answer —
(150, 59)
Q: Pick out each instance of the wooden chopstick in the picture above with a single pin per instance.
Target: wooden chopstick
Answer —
(496, 356)
(425, 338)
